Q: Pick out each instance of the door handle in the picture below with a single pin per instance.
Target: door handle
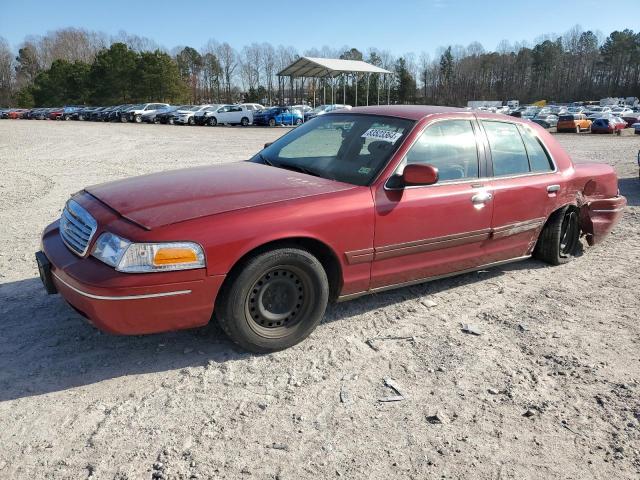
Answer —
(481, 198)
(553, 188)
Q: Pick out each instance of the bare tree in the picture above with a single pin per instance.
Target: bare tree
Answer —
(6, 72)
(228, 62)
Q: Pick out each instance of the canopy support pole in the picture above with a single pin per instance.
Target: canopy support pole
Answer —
(355, 78)
(389, 92)
(368, 77)
(344, 90)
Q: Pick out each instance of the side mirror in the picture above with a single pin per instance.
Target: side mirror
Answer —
(268, 144)
(419, 174)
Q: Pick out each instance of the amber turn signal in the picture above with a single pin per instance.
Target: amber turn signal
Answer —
(173, 256)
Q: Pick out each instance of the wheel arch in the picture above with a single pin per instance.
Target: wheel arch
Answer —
(323, 252)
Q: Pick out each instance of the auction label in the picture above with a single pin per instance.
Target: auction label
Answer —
(380, 134)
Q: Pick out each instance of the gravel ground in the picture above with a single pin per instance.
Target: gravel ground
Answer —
(549, 390)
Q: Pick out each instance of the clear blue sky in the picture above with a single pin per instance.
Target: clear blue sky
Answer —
(399, 26)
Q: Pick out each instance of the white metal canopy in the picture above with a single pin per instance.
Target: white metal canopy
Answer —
(328, 67)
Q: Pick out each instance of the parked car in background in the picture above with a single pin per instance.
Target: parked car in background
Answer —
(636, 128)
(83, 113)
(152, 116)
(94, 115)
(324, 109)
(607, 125)
(253, 107)
(103, 115)
(185, 115)
(303, 108)
(56, 113)
(546, 120)
(278, 116)
(134, 113)
(330, 211)
(203, 117)
(69, 110)
(576, 122)
(120, 114)
(631, 118)
(597, 112)
(233, 115)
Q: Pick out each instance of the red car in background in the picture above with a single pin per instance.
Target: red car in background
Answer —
(608, 125)
(17, 113)
(56, 114)
(347, 204)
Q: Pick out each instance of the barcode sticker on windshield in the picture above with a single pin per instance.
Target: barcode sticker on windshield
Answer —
(383, 135)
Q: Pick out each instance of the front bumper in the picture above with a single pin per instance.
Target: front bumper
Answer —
(128, 304)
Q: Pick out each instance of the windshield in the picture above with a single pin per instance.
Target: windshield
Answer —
(346, 148)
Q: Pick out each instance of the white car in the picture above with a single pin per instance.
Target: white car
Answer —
(232, 115)
(202, 117)
(135, 115)
(185, 116)
(254, 107)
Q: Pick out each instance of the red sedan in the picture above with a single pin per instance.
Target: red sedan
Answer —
(17, 113)
(350, 203)
(56, 114)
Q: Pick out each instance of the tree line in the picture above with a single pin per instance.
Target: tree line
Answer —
(77, 66)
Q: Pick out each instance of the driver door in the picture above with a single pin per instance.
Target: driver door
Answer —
(432, 230)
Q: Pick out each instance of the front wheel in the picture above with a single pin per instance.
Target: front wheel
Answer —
(559, 240)
(137, 119)
(274, 301)
(298, 121)
(191, 121)
(213, 121)
(272, 122)
(244, 122)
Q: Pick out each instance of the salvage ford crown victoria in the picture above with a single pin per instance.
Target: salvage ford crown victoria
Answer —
(347, 204)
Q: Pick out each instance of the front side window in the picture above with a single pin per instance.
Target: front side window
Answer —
(346, 148)
(451, 147)
(507, 149)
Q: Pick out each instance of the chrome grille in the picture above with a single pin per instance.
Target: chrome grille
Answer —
(77, 228)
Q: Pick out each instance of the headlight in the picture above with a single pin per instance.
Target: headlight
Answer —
(130, 257)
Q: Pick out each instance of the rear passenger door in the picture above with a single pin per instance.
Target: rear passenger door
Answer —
(525, 187)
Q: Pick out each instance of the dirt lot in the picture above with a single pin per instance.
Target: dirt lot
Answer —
(561, 343)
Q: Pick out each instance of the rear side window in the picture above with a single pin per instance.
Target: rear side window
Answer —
(451, 147)
(539, 159)
(507, 149)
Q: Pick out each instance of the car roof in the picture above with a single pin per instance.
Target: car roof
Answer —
(410, 112)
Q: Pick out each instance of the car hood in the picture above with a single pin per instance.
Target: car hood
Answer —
(160, 199)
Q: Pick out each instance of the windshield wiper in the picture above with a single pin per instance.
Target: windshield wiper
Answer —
(265, 160)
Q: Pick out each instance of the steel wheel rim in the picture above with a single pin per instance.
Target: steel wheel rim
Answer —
(568, 234)
(278, 301)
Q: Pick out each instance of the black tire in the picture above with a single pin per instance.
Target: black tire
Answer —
(294, 284)
(298, 121)
(213, 121)
(559, 240)
(244, 122)
(272, 122)
(191, 121)
(123, 119)
(170, 121)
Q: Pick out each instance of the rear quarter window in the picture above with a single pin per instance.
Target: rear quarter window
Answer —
(539, 158)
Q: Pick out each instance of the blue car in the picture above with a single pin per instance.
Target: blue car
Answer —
(277, 116)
